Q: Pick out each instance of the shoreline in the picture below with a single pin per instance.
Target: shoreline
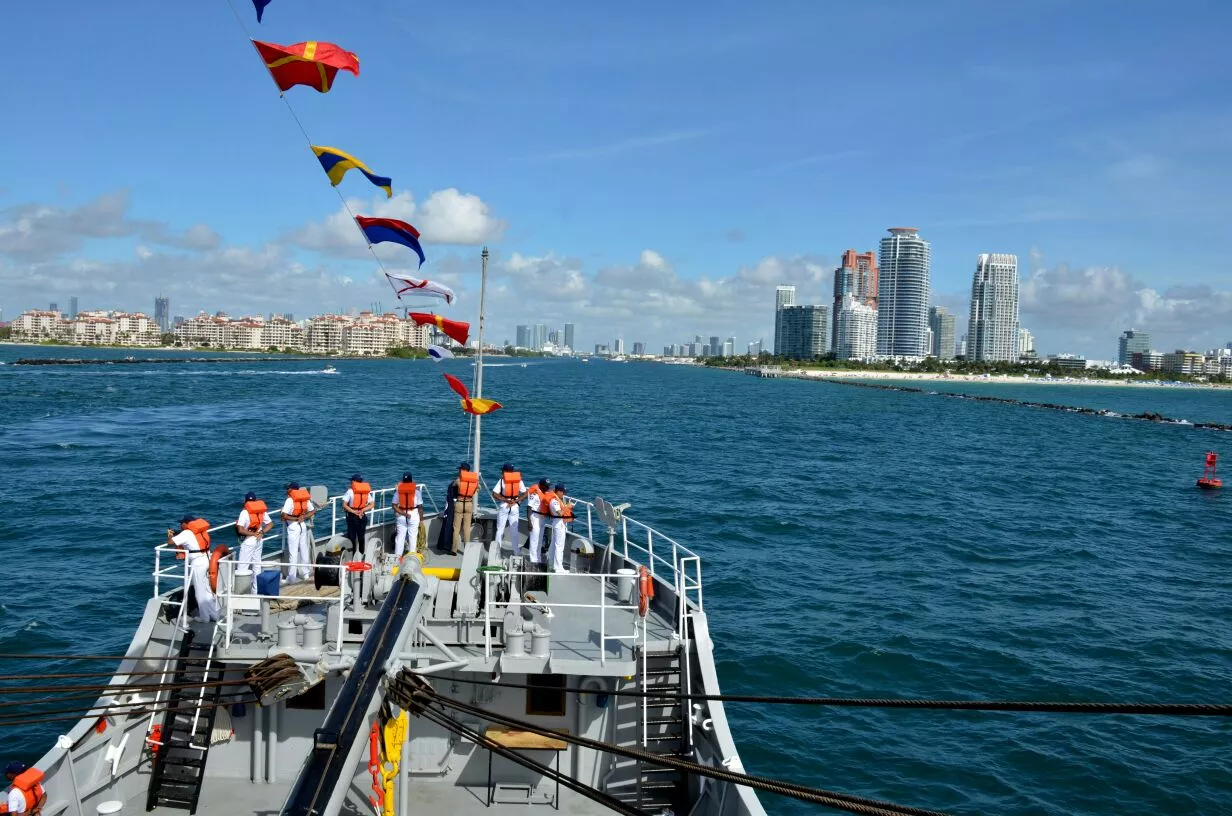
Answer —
(992, 379)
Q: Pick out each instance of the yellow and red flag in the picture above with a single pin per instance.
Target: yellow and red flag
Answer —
(308, 63)
(476, 405)
(455, 329)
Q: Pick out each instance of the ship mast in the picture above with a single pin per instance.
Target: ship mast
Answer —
(483, 285)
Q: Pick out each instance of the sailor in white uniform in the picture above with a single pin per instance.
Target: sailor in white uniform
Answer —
(508, 495)
(197, 545)
(537, 514)
(408, 500)
(253, 523)
(562, 513)
(296, 512)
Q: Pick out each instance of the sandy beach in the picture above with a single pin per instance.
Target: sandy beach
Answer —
(1003, 379)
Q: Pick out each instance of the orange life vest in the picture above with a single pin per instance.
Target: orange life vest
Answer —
(545, 502)
(406, 496)
(566, 510)
(256, 511)
(28, 782)
(359, 495)
(201, 529)
(511, 481)
(468, 484)
(300, 496)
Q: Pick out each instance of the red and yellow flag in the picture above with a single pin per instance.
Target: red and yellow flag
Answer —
(475, 405)
(455, 329)
(308, 63)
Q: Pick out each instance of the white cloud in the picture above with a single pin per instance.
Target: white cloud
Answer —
(446, 217)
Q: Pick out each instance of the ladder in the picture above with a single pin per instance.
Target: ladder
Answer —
(179, 761)
(663, 730)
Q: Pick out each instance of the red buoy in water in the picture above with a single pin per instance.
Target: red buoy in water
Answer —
(1208, 480)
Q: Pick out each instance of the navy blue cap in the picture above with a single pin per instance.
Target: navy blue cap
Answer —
(187, 519)
(464, 466)
(357, 478)
(15, 768)
(505, 468)
(544, 484)
(560, 488)
(292, 485)
(407, 477)
(250, 496)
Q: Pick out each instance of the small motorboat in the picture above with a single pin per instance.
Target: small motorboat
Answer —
(329, 369)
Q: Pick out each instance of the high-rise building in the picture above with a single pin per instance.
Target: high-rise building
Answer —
(729, 347)
(620, 346)
(72, 307)
(569, 335)
(162, 313)
(53, 307)
(1131, 341)
(716, 346)
(856, 276)
(902, 294)
(992, 330)
(962, 348)
(784, 296)
(1026, 343)
(523, 337)
(941, 321)
(805, 331)
(554, 337)
(755, 348)
(639, 349)
(540, 338)
(856, 329)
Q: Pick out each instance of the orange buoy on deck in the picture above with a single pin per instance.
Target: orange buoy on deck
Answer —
(1208, 480)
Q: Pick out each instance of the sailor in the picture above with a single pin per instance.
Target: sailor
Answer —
(26, 794)
(252, 525)
(538, 506)
(562, 513)
(357, 501)
(465, 488)
(406, 514)
(508, 496)
(297, 512)
(194, 539)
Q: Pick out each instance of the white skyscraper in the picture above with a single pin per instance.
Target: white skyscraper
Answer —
(902, 294)
(1026, 342)
(784, 296)
(857, 330)
(992, 331)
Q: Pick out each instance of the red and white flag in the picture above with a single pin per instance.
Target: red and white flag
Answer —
(412, 287)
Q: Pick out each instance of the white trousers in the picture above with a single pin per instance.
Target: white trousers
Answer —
(507, 516)
(250, 559)
(407, 528)
(557, 553)
(536, 538)
(199, 574)
(297, 551)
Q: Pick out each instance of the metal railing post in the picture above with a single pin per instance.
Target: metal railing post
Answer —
(157, 568)
(650, 549)
(487, 617)
(624, 534)
(603, 622)
(590, 530)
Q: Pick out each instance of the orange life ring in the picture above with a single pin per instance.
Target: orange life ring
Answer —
(220, 552)
(645, 590)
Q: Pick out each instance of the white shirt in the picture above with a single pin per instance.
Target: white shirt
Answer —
(557, 510)
(242, 523)
(187, 540)
(533, 502)
(17, 799)
(288, 507)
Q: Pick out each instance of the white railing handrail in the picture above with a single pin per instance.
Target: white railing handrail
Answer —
(603, 605)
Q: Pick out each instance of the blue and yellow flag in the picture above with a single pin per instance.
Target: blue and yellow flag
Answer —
(336, 164)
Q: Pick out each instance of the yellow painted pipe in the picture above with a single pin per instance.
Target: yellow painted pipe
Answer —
(444, 573)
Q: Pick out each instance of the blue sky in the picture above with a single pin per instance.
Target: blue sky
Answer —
(645, 169)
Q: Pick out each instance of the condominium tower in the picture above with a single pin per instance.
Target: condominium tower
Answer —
(784, 296)
(804, 332)
(902, 294)
(856, 276)
(941, 321)
(1132, 341)
(855, 330)
(992, 330)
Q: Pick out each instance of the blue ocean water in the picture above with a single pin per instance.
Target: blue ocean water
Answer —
(855, 543)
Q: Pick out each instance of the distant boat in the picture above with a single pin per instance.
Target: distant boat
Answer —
(329, 369)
